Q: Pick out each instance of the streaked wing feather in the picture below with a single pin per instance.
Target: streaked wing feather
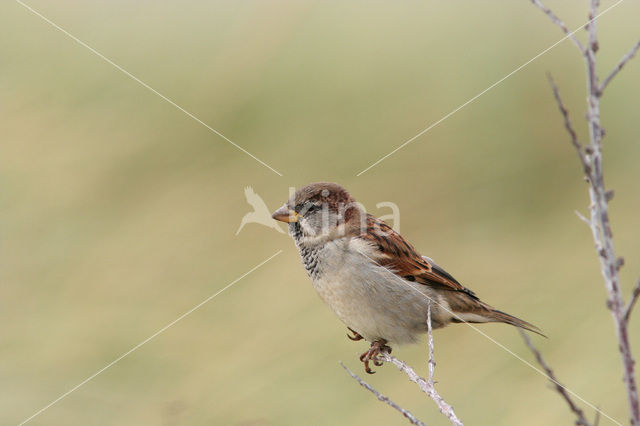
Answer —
(401, 258)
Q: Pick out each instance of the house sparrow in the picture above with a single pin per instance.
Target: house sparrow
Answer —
(371, 277)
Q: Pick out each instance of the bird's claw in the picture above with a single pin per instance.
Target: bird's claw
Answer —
(372, 354)
(356, 336)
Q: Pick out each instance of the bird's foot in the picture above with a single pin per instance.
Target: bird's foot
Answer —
(372, 354)
(356, 336)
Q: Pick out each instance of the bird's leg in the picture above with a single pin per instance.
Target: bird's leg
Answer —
(356, 336)
(376, 348)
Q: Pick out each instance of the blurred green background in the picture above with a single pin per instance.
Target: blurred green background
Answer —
(118, 212)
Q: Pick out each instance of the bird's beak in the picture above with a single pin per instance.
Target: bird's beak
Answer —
(285, 214)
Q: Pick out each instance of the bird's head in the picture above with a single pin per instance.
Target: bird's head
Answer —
(322, 209)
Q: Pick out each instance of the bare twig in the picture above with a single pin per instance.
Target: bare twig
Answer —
(582, 218)
(596, 420)
(580, 418)
(385, 399)
(424, 386)
(599, 223)
(634, 298)
(432, 360)
(559, 23)
(567, 124)
(626, 58)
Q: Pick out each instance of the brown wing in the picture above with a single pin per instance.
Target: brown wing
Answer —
(400, 257)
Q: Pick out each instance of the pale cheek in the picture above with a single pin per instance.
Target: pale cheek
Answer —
(307, 228)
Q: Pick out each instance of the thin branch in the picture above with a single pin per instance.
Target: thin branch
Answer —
(626, 58)
(634, 298)
(559, 23)
(599, 222)
(385, 399)
(567, 124)
(432, 360)
(424, 386)
(582, 218)
(580, 418)
(596, 420)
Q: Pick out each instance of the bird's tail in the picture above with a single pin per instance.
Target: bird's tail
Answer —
(494, 315)
(479, 312)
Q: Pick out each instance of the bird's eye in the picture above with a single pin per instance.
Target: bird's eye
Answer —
(312, 208)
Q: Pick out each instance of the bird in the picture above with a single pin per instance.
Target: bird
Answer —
(260, 213)
(371, 277)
